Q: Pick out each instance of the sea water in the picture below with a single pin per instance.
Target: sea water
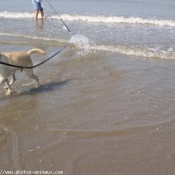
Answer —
(106, 102)
(129, 27)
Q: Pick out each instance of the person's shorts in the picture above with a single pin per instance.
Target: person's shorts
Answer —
(37, 6)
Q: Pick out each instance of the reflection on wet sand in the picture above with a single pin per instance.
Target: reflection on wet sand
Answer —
(39, 23)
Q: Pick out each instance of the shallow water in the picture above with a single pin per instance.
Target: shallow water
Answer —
(109, 110)
(101, 114)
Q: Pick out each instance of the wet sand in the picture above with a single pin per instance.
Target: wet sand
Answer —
(102, 113)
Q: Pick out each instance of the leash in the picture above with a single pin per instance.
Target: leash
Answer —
(31, 67)
(59, 17)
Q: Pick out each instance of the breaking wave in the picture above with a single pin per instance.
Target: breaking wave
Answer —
(15, 15)
(94, 19)
(115, 19)
(130, 50)
(137, 51)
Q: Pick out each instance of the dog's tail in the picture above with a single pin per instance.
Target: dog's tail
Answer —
(36, 51)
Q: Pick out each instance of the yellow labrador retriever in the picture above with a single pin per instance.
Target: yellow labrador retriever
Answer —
(19, 59)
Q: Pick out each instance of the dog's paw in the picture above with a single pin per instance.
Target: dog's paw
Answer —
(8, 92)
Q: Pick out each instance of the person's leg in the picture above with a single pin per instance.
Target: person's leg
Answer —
(42, 13)
(36, 14)
(41, 10)
(36, 8)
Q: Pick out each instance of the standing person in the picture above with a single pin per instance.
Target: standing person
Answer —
(37, 4)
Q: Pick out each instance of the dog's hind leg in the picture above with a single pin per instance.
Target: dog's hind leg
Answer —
(13, 79)
(30, 74)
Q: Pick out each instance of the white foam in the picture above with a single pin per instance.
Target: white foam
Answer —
(137, 51)
(115, 19)
(94, 19)
(16, 15)
(88, 46)
(82, 42)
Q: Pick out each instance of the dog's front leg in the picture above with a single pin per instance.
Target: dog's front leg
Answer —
(7, 84)
(9, 91)
(6, 81)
